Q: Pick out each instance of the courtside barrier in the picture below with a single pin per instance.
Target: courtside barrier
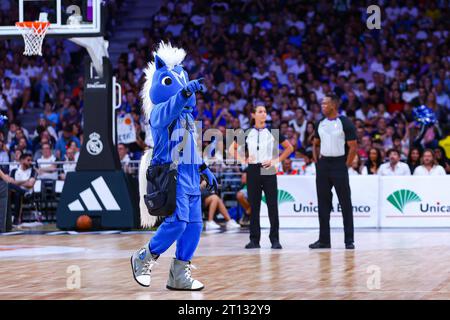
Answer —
(377, 202)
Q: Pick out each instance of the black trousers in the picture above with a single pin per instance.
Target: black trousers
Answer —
(333, 172)
(256, 184)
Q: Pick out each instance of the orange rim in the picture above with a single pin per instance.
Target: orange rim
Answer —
(37, 26)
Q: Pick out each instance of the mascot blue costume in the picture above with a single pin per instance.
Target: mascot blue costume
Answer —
(168, 101)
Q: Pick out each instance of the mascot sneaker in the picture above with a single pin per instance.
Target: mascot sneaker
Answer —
(142, 262)
(180, 277)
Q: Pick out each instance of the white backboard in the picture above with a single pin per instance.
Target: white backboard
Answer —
(71, 18)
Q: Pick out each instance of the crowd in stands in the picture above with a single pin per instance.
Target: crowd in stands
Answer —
(284, 54)
(48, 88)
(287, 56)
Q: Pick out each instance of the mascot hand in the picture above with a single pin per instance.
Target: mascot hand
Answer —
(210, 179)
(194, 86)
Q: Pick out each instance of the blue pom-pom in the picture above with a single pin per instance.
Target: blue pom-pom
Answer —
(3, 120)
(424, 115)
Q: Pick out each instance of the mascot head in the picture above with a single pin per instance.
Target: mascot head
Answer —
(164, 77)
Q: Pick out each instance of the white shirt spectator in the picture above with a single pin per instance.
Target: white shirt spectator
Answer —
(301, 129)
(4, 157)
(260, 76)
(263, 25)
(13, 165)
(243, 120)
(353, 172)
(10, 93)
(226, 87)
(437, 170)
(441, 34)
(32, 71)
(413, 13)
(175, 29)
(198, 20)
(300, 25)
(20, 81)
(186, 8)
(442, 99)
(376, 66)
(4, 103)
(126, 160)
(46, 163)
(248, 28)
(364, 171)
(359, 114)
(408, 96)
(400, 169)
(296, 69)
(421, 35)
(365, 74)
(238, 105)
(69, 167)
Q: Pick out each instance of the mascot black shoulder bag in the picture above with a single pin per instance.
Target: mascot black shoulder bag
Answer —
(161, 197)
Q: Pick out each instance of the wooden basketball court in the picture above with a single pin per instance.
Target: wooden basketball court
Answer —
(388, 264)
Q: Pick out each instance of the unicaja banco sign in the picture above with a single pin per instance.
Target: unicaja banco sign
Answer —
(401, 198)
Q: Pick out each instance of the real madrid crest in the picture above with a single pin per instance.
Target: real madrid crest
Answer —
(94, 146)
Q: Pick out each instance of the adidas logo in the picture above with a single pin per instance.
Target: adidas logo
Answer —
(88, 198)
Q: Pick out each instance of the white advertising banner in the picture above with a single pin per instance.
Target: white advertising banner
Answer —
(297, 203)
(415, 201)
(125, 129)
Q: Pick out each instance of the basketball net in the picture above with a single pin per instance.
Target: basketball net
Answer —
(33, 35)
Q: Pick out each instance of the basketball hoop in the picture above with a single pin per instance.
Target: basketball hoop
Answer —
(33, 35)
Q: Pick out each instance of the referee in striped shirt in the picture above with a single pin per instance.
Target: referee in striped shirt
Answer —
(334, 150)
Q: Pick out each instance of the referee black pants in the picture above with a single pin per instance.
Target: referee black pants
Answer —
(333, 172)
(259, 180)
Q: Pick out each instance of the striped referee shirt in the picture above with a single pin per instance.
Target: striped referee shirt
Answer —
(262, 144)
(333, 135)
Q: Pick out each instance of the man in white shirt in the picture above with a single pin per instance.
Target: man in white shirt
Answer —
(442, 98)
(411, 92)
(46, 164)
(429, 166)
(70, 163)
(394, 167)
(20, 184)
(261, 73)
(124, 158)
(8, 90)
(299, 123)
(366, 112)
(309, 169)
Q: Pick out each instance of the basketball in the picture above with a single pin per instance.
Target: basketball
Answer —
(84, 223)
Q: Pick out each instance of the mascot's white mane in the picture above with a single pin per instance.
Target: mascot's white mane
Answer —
(171, 56)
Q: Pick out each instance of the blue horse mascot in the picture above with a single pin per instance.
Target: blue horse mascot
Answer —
(168, 101)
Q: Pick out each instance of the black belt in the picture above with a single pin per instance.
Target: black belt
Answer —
(333, 158)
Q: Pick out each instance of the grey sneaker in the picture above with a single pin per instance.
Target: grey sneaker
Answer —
(180, 277)
(142, 262)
